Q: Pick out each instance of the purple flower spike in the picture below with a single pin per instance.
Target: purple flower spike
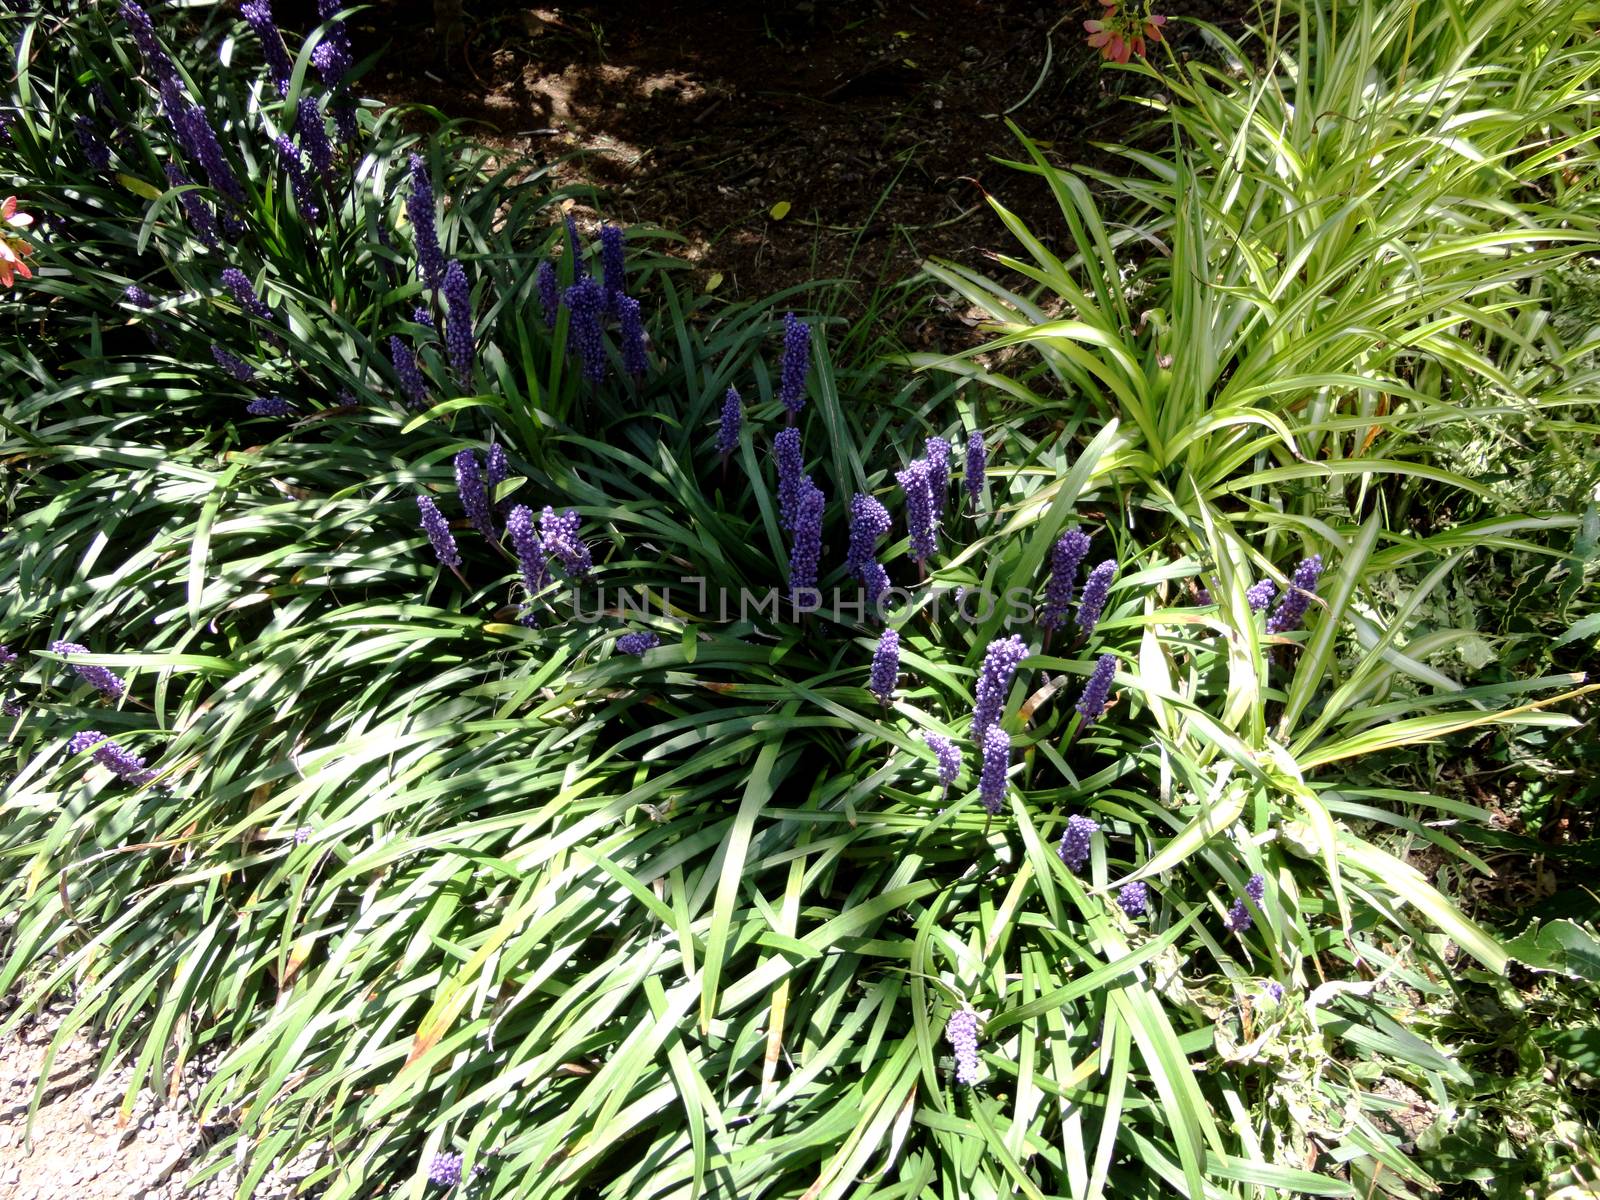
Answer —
(587, 301)
(304, 198)
(529, 550)
(412, 385)
(137, 296)
(874, 583)
(549, 292)
(497, 472)
(630, 324)
(885, 666)
(156, 61)
(101, 679)
(561, 539)
(258, 14)
(7, 656)
(233, 365)
(791, 469)
(916, 482)
(111, 756)
(732, 421)
(1076, 840)
(1066, 558)
(806, 549)
(976, 467)
(1259, 595)
(1274, 991)
(268, 406)
(1291, 609)
(201, 217)
(937, 452)
(458, 339)
(1000, 663)
(961, 1031)
(1096, 589)
(869, 521)
(474, 495)
(1134, 899)
(314, 137)
(445, 1169)
(796, 363)
(946, 755)
(1239, 919)
(637, 643)
(612, 238)
(244, 293)
(420, 209)
(996, 766)
(94, 150)
(1092, 704)
(438, 531)
(421, 316)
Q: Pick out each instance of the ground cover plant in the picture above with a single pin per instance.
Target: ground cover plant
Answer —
(550, 734)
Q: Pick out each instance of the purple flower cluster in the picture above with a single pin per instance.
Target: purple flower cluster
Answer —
(1000, 662)
(232, 364)
(630, 325)
(946, 755)
(438, 531)
(796, 364)
(586, 301)
(258, 15)
(637, 643)
(1260, 594)
(885, 666)
(137, 296)
(549, 289)
(458, 338)
(1066, 559)
(1096, 589)
(314, 137)
(1134, 898)
(869, 521)
(412, 385)
(445, 1169)
(529, 550)
(1239, 919)
(732, 420)
(333, 58)
(561, 539)
(996, 766)
(612, 259)
(244, 293)
(937, 452)
(202, 219)
(1076, 839)
(474, 495)
(103, 680)
(961, 1031)
(496, 473)
(791, 470)
(420, 210)
(1291, 609)
(305, 198)
(7, 655)
(976, 466)
(916, 481)
(111, 756)
(268, 406)
(1092, 704)
(806, 546)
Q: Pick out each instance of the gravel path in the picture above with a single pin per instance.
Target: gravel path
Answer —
(79, 1151)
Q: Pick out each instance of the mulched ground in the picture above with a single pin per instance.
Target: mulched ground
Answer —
(875, 123)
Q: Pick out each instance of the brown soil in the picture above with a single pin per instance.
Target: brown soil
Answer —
(875, 123)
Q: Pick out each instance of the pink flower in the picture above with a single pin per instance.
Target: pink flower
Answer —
(13, 250)
(1122, 34)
